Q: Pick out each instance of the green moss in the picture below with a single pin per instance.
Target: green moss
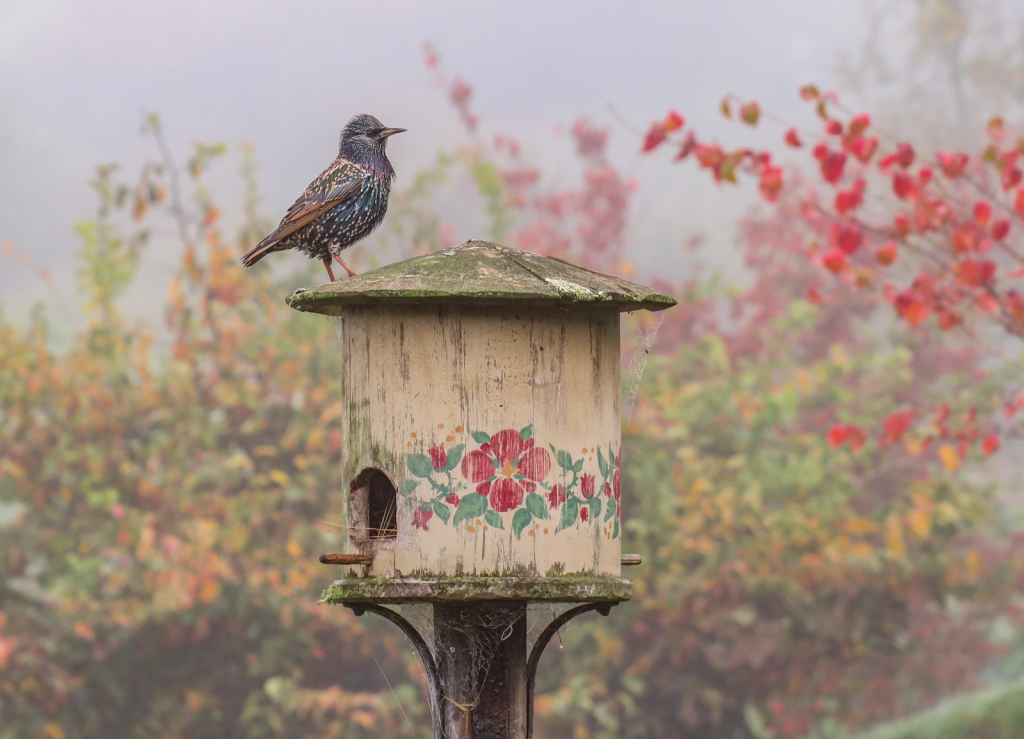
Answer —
(565, 589)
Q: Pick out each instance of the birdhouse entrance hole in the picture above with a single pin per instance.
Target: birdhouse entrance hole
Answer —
(380, 499)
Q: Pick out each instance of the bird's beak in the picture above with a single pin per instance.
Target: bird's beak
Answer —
(390, 132)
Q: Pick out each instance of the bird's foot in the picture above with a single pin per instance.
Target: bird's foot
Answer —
(338, 260)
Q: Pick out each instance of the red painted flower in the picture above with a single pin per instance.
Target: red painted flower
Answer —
(452, 499)
(506, 469)
(420, 518)
(557, 496)
(615, 488)
(587, 485)
(585, 514)
(438, 457)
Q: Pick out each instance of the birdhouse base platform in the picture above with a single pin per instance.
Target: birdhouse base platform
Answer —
(564, 589)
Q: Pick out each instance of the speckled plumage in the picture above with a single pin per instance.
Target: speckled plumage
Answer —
(341, 206)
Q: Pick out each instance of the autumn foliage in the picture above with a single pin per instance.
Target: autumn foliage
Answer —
(815, 557)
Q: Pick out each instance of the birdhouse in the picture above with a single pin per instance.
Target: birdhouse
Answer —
(480, 413)
(482, 462)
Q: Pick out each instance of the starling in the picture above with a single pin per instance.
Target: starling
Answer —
(341, 206)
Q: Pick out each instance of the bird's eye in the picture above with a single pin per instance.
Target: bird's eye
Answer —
(375, 132)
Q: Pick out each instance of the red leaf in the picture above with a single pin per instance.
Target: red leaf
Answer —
(902, 224)
(820, 152)
(902, 185)
(834, 261)
(995, 128)
(975, 272)
(750, 113)
(859, 123)
(860, 147)
(837, 435)
(1015, 305)
(1011, 177)
(1000, 229)
(924, 176)
(952, 164)
(813, 295)
(948, 319)
(655, 137)
(770, 184)
(846, 237)
(689, 144)
(1018, 203)
(673, 121)
(793, 139)
(911, 307)
(966, 238)
(1011, 408)
(896, 425)
(855, 436)
(886, 253)
(905, 155)
(847, 200)
(809, 92)
(990, 445)
(832, 166)
(982, 212)
(833, 127)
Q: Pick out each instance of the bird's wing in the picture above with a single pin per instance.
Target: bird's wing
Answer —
(340, 185)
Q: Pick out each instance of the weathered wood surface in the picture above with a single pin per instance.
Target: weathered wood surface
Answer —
(480, 273)
(416, 379)
(527, 589)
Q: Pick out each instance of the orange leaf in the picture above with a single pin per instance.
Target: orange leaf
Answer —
(84, 631)
(949, 458)
(982, 213)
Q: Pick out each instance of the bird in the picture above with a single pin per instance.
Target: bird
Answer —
(341, 206)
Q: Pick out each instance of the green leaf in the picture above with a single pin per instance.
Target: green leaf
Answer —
(564, 459)
(454, 457)
(442, 511)
(480, 437)
(470, 506)
(536, 505)
(606, 469)
(570, 510)
(595, 507)
(520, 521)
(610, 510)
(578, 466)
(419, 464)
(526, 433)
(407, 487)
(494, 520)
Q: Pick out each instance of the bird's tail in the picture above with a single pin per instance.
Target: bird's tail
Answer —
(261, 250)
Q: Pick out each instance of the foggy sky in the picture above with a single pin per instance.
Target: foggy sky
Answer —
(75, 78)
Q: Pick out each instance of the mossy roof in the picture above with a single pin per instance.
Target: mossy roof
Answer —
(479, 272)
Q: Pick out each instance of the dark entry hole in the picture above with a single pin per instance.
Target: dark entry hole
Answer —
(382, 505)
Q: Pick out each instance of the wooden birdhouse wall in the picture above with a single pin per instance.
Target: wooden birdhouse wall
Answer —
(497, 427)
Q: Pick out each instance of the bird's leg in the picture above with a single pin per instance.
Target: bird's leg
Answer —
(338, 260)
(327, 265)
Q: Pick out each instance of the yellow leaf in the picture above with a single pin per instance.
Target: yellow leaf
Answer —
(280, 477)
(894, 537)
(54, 731)
(294, 549)
(861, 525)
(913, 445)
(920, 523)
(238, 461)
(84, 631)
(975, 565)
(949, 458)
(265, 450)
(209, 591)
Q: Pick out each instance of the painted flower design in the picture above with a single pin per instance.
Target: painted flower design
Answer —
(615, 487)
(557, 496)
(587, 482)
(438, 457)
(421, 517)
(506, 468)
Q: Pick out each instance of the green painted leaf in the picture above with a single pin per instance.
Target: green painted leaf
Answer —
(570, 510)
(470, 506)
(595, 507)
(494, 520)
(454, 457)
(442, 511)
(520, 521)
(564, 459)
(610, 510)
(428, 506)
(407, 487)
(526, 433)
(419, 464)
(480, 437)
(615, 533)
(602, 465)
(536, 505)
(578, 466)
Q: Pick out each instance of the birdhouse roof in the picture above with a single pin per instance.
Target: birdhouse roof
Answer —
(479, 272)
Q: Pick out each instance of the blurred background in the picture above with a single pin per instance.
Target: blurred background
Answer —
(168, 429)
